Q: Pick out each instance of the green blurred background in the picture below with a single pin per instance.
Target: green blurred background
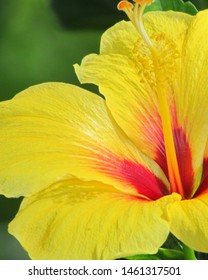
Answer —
(40, 40)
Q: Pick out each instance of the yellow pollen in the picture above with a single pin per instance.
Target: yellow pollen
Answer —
(135, 14)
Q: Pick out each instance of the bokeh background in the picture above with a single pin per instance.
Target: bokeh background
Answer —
(40, 40)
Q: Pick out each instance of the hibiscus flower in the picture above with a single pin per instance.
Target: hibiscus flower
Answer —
(104, 178)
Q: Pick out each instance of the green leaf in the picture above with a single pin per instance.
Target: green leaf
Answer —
(175, 5)
(162, 254)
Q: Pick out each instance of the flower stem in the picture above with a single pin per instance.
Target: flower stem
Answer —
(188, 253)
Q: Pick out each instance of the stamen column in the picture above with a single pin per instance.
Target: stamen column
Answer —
(134, 13)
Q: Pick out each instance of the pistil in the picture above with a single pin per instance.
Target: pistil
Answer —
(135, 13)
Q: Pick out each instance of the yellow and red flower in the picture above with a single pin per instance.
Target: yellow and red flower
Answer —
(106, 178)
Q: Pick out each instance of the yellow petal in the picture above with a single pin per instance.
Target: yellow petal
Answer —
(189, 222)
(55, 131)
(132, 103)
(76, 220)
(119, 39)
(192, 97)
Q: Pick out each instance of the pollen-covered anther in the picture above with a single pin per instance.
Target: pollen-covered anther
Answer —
(127, 7)
(134, 13)
(124, 5)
